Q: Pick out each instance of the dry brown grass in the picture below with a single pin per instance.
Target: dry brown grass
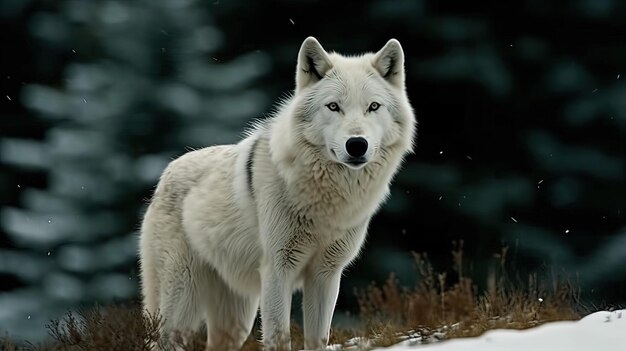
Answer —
(435, 308)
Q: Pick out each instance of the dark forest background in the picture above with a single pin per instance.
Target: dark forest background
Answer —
(522, 143)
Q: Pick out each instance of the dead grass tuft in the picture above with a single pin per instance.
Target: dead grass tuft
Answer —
(109, 328)
(434, 309)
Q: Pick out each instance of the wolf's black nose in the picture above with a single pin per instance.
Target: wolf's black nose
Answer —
(356, 147)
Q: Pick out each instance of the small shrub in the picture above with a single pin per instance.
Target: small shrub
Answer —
(433, 309)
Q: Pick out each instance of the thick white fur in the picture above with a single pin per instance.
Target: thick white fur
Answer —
(216, 245)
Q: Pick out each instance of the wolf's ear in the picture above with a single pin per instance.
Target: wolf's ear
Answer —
(389, 62)
(313, 63)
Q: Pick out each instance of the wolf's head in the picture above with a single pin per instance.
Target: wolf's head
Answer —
(351, 108)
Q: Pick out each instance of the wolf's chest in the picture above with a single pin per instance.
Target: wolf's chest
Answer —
(340, 202)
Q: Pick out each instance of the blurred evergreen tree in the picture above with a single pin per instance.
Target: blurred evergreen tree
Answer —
(139, 84)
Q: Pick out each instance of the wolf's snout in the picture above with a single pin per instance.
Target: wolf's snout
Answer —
(356, 147)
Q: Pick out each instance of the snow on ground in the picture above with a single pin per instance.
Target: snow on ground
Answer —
(598, 331)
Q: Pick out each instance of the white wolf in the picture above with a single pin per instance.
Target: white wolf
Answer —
(234, 227)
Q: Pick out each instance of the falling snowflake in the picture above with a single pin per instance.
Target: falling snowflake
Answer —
(514, 220)
(566, 231)
(540, 299)
(441, 152)
(8, 97)
(292, 22)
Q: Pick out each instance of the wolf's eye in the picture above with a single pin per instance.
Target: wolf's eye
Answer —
(333, 107)
(373, 106)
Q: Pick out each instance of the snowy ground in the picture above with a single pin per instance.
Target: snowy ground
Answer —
(599, 331)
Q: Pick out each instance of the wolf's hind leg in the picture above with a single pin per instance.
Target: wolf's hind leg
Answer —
(229, 315)
(179, 302)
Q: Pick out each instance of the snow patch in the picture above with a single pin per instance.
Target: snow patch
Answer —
(598, 331)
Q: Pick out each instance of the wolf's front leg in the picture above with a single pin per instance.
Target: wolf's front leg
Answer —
(319, 298)
(277, 285)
